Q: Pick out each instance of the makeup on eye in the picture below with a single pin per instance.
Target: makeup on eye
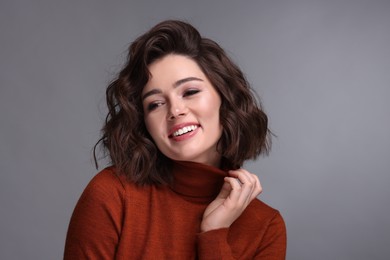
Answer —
(190, 92)
(153, 105)
(185, 91)
(177, 84)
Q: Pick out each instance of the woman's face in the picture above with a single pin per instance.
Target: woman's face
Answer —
(181, 110)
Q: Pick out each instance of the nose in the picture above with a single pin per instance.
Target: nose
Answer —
(177, 108)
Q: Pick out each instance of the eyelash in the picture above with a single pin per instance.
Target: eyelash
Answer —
(154, 105)
(190, 92)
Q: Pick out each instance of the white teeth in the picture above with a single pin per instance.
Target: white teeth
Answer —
(184, 130)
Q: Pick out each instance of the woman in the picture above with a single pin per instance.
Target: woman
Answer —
(181, 122)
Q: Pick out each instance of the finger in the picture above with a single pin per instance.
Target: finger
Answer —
(251, 185)
(256, 186)
(225, 190)
(247, 186)
(243, 175)
(256, 183)
(253, 178)
(236, 189)
(258, 189)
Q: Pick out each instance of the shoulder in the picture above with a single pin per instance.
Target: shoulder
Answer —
(97, 218)
(108, 177)
(262, 209)
(261, 212)
(105, 185)
(109, 184)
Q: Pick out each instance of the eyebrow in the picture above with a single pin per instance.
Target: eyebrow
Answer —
(175, 85)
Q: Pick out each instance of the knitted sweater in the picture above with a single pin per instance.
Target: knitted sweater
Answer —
(116, 219)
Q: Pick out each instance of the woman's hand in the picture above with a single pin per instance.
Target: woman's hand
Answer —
(239, 189)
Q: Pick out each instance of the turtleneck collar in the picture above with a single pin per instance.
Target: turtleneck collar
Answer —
(197, 182)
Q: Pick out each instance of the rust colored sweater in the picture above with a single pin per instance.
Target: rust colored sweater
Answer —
(115, 219)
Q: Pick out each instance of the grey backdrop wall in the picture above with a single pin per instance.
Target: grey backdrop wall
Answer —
(322, 69)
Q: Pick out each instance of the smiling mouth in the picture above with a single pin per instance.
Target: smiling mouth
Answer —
(184, 130)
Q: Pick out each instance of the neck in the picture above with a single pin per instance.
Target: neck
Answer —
(197, 182)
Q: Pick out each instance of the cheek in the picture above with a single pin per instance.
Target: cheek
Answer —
(210, 106)
(214, 107)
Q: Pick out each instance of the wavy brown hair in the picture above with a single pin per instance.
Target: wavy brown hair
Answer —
(124, 135)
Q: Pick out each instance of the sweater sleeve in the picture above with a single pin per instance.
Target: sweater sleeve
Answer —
(95, 225)
(273, 245)
(214, 244)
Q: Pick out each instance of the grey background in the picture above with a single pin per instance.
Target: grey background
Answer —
(322, 69)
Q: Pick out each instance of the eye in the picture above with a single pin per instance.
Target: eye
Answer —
(152, 106)
(190, 92)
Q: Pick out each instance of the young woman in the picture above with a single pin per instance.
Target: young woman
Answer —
(181, 122)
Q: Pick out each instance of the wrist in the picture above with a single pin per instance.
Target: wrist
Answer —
(204, 226)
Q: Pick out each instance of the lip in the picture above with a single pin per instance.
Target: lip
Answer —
(179, 126)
